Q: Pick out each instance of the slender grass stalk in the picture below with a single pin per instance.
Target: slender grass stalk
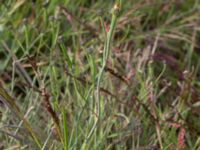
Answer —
(65, 130)
(53, 114)
(10, 102)
(106, 51)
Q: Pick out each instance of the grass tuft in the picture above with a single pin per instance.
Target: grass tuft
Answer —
(89, 74)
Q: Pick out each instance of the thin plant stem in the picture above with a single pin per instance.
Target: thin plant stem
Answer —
(106, 51)
(10, 102)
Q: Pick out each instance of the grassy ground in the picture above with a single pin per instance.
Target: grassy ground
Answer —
(67, 83)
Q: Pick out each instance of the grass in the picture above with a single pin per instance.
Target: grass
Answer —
(80, 75)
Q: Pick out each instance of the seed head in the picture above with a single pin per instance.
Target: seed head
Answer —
(116, 9)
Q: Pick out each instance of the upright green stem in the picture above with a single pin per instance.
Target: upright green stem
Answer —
(105, 58)
(106, 52)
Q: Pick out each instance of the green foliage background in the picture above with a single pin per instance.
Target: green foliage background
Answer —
(50, 58)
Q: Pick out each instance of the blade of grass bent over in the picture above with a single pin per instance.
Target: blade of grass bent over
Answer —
(10, 102)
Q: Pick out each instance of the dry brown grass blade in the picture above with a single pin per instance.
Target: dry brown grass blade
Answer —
(10, 102)
(53, 114)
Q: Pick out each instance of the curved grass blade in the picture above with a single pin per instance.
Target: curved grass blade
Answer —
(10, 102)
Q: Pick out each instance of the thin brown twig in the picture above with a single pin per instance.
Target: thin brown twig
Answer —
(117, 75)
(46, 98)
(68, 14)
(101, 88)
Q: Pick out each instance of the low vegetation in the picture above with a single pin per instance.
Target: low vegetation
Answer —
(107, 75)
